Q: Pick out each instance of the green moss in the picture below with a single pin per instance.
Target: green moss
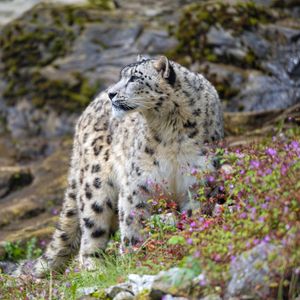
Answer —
(103, 4)
(35, 41)
(197, 18)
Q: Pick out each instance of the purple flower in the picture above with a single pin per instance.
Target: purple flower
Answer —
(254, 164)
(295, 145)
(68, 284)
(202, 280)
(264, 206)
(267, 239)
(256, 241)
(268, 171)
(210, 179)
(243, 215)
(189, 241)
(54, 211)
(242, 172)
(270, 151)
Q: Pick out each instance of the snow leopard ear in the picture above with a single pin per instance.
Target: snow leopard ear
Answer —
(141, 57)
(163, 66)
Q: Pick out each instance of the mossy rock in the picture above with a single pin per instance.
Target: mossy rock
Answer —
(35, 41)
(196, 20)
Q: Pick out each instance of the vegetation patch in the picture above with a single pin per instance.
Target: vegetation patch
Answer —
(258, 202)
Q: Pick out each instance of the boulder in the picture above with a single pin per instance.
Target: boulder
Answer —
(251, 273)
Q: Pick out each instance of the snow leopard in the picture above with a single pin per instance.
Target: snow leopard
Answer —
(151, 126)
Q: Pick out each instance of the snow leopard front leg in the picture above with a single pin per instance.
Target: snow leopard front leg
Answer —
(133, 213)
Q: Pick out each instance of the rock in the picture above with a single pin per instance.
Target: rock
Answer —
(257, 44)
(140, 282)
(32, 210)
(275, 93)
(170, 297)
(13, 178)
(124, 296)
(155, 42)
(250, 273)
(220, 37)
(212, 297)
(123, 288)
(175, 281)
(255, 59)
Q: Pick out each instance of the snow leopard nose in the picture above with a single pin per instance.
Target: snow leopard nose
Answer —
(111, 95)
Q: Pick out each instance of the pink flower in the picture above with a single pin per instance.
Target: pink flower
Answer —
(197, 254)
(132, 213)
(194, 171)
(193, 224)
(189, 241)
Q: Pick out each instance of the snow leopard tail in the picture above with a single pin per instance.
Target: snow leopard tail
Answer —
(66, 238)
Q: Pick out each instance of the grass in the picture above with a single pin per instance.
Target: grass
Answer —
(258, 202)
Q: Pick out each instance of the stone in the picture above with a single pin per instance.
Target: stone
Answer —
(12, 178)
(217, 36)
(24, 120)
(257, 44)
(211, 297)
(275, 93)
(124, 296)
(170, 297)
(175, 281)
(155, 42)
(115, 290)
(250, 272)
(140, 283)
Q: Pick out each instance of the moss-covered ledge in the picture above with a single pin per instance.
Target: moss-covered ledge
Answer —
(34, 41)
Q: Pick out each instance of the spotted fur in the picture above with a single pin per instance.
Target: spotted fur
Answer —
(151, 126)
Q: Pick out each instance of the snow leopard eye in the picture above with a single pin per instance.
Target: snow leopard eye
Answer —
(133, 78)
